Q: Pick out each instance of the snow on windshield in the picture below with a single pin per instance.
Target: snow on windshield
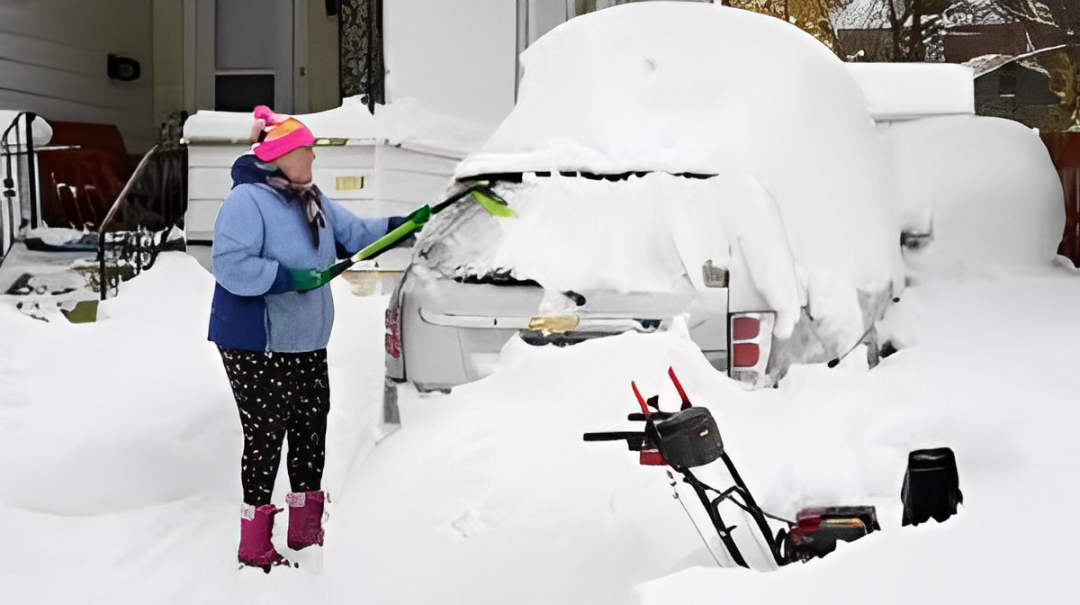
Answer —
(648, 233)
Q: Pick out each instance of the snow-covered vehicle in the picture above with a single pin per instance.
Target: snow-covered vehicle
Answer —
(725, 168)
(722, 168)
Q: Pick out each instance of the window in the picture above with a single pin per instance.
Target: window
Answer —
(242, 92)
(1007, 86)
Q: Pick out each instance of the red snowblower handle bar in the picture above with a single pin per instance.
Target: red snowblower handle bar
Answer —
(678, 387)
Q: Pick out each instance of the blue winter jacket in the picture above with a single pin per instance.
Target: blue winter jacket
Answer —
(257, 230)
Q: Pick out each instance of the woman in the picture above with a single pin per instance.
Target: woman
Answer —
(271, 319)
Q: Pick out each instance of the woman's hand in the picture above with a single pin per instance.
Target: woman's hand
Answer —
(418, 218)
(299, 280)
(309, 279)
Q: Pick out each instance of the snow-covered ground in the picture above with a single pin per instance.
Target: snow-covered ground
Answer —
(120, 446)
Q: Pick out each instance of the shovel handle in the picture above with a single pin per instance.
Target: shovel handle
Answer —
(384, 242)
(402, 231)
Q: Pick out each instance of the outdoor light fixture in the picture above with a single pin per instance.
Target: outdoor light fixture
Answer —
(123, 69)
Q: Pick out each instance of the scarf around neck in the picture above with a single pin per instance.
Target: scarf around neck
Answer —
(247, 169)
(309, 195)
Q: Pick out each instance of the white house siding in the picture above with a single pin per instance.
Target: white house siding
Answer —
(457, 57)
(53, 56)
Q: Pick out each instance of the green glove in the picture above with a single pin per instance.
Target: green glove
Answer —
(420, 215)
(309, 279)
(418, 218)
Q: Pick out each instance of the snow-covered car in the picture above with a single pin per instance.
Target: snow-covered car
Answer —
(724, 169)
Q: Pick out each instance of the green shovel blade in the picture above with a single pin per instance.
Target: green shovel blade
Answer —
(495, 205)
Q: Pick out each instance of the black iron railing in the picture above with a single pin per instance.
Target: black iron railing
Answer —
(18, 159)
(158, 185)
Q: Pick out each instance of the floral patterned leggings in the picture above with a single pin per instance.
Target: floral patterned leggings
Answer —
(280, 394)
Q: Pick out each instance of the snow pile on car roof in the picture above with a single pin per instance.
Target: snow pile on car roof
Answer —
(704, 89)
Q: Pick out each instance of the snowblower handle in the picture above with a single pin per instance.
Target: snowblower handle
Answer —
(640, 399)
(636, 441)
(655, 416)
(613, 436)
(678, 387)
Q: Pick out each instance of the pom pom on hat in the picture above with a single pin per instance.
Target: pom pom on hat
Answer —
(273, 134)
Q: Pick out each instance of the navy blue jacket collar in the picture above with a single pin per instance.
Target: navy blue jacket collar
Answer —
(249, 169)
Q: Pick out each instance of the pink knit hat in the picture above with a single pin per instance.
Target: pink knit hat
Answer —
(273, 135)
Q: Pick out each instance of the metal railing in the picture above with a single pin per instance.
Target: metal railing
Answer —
(123, 254)
(18, 159)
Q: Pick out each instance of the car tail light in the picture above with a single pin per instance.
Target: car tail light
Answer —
(393, 331)
(745, 328)
(750, 340)
(745, 354)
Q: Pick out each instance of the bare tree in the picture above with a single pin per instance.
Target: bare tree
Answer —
(913, 24)
(1063, 14)
(811, 16)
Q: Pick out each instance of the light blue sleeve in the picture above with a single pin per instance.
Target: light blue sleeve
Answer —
(236, 259)
(351, 231)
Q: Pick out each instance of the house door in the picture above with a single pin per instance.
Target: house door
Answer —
(245, 55)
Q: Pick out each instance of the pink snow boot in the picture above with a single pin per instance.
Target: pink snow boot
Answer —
(256, 525)
(305, 519)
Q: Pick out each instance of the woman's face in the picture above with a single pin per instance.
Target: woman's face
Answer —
(297, 164)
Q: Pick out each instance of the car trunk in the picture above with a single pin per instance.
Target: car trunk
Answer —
(478, 317)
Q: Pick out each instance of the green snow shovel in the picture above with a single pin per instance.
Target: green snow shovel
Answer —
(479, 191)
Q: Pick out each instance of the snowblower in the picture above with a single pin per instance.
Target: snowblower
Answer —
(689, 439)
